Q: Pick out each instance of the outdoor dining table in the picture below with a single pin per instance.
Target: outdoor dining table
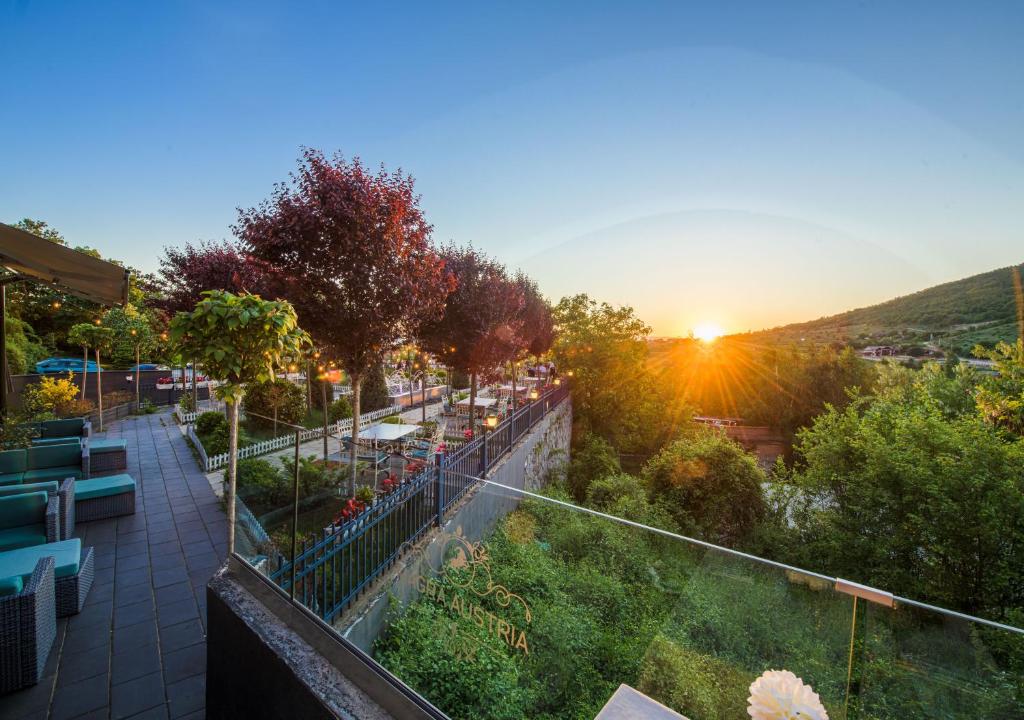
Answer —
(481, 405)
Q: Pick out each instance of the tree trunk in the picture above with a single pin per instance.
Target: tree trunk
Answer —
(85, 368)
(423, 395)
(357, 382)
(99, 387)
(275, 421)
(138, 401)
(472, 404)
(323, 397)
(230, 486)
(513, 386)
(412, 400)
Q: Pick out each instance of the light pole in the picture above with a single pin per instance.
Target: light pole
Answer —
(135, 336)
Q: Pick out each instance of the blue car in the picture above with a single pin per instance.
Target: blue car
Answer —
(147, 366)
(63, 365)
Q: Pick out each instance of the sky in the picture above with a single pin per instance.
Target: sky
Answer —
(746, 164)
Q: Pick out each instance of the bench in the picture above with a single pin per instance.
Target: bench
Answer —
(73, 571)
(28, 519)
(107, 455)
(104, 497)
(44, 462)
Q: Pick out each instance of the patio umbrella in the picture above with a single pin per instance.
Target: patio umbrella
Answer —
(30, 258)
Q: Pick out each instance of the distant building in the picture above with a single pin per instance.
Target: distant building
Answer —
(878, 351)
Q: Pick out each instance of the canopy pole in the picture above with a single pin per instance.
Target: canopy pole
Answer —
(3, 351)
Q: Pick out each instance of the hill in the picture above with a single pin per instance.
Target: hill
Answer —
(953, 316)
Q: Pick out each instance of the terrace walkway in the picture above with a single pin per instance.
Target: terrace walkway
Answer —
(137, 650)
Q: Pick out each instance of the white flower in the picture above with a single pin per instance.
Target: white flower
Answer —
(781, 695)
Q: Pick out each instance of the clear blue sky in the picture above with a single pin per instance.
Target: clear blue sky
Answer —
(741, 163)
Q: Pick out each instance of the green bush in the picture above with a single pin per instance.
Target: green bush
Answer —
(314, 477)
(374, 393)
(595, 458)
(209, 422)
(392, 420)
(261, 484)
(364, 494)
(281, 399)
(212, 429)
(696, 685)
(340, 409)
(187, 402)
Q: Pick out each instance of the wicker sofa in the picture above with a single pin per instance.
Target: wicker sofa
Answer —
(65, 491)
(74, 569)
(26, 519)
(28, 625)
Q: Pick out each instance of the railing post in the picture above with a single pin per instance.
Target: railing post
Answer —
(439, 486)
(483, 455)
(295, 516)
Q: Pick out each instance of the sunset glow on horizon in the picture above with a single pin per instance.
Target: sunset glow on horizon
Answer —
(708, 331)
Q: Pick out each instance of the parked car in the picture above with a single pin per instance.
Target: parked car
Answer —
(63, 365)
(147, 366)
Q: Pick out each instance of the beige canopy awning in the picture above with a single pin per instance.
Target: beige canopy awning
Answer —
(34, 258)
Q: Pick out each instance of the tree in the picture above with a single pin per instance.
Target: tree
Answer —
(1001, 397)
(186, 273)
(478, 330)
(615, 395)
(354, 251)
(897, 492)
(134, 334)
(711, 486)
(81, 335)
(535, 326)
(100, 339)
(240, 339)
(280, 399)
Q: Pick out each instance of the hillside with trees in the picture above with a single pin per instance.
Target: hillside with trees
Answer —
(982, 309)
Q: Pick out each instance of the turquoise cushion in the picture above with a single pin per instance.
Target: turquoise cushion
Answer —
(102, 446)
(56, 441)
(47, 487)
(12, 478)
(50, 456)
(103, 487)
(26, 509)
(12, 461)
(67, 554)
(55, 473)
(62, 428)
(11, 586)
(20, 537)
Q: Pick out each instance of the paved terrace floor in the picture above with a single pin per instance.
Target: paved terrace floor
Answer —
(137, 649)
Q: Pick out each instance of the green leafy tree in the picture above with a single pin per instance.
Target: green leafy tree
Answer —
(615, 394)
(710, 485)
(896, 492)
(81, 335)
(239, 339)
(592, 459)
(1001, 397)
(100, 339)
(280, 400)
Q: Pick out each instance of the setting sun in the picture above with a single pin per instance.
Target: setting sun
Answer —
(708, 331)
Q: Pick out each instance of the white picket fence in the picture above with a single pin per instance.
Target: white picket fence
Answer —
(215, 462)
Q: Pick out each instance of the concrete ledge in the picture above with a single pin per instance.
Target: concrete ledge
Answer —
(267, 658)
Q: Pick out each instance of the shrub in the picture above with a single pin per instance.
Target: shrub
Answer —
(693, 684)
(374, 393)
(55, 395)
(280, 398)
(212, 429)
(710, 485)
(209, 421)
(261, 484)
(187, 402)
(341, 409)
(364, 494)
(392, 420)
(594, 459)
(314, 476)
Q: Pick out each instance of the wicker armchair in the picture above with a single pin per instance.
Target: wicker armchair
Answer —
(28, 628)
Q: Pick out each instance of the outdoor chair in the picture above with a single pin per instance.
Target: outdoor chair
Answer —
(28, 625)
(74, 569)
(65, 491)
(29, 519)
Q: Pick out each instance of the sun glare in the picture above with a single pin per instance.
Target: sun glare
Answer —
(708, 332)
